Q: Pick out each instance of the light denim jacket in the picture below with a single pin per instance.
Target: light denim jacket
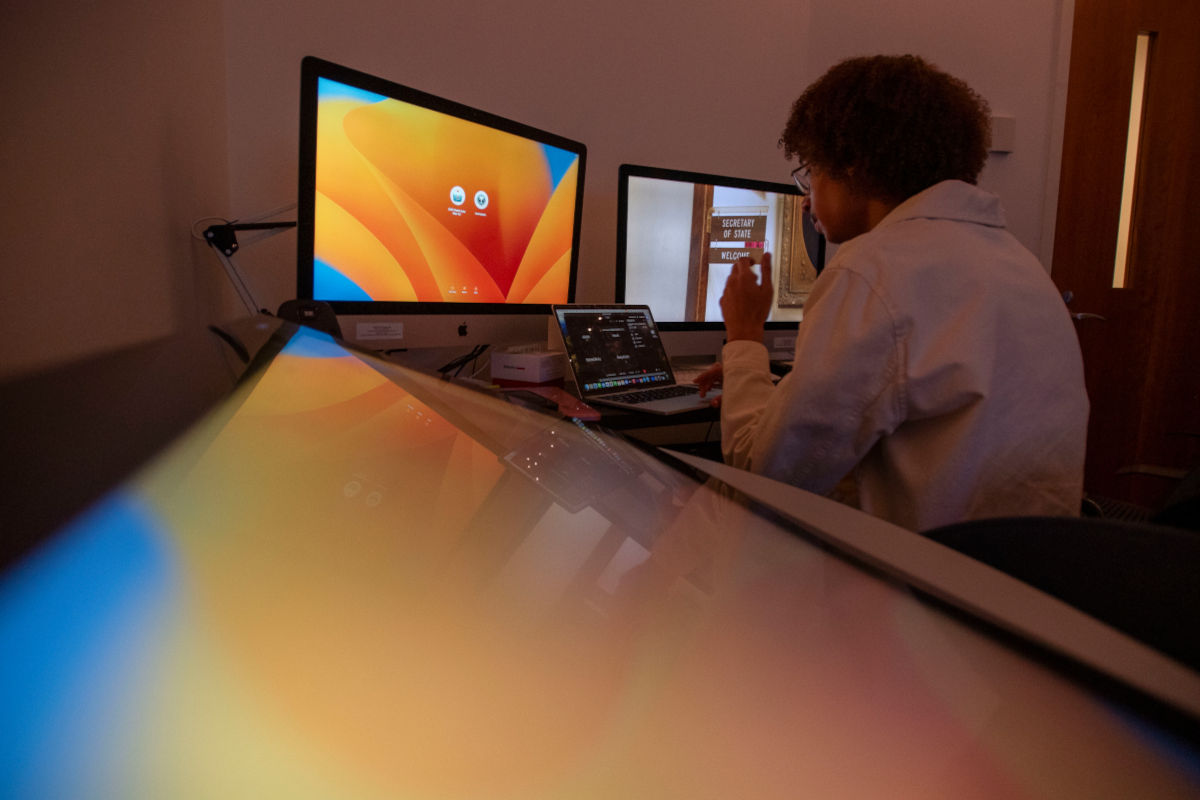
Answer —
(937, 361)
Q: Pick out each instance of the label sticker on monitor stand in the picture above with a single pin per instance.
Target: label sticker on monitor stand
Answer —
(376, 331)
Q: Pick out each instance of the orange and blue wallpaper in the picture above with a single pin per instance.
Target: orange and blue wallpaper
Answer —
(416, 205)
(328, 589)
(148, 629)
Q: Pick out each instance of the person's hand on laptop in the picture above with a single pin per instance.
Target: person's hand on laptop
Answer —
(708, 379)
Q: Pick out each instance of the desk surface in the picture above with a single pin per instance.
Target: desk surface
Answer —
(623, 420)
(350, 580)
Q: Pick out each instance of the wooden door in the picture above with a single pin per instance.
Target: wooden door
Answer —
(1141, 359)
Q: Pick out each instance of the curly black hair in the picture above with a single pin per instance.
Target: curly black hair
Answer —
(890, 126)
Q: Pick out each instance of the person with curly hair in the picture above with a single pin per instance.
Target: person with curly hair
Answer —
(936, 366)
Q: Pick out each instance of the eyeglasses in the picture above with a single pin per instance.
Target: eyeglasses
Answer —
(803, 178)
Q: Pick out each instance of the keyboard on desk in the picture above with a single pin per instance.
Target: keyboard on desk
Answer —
(646, 395)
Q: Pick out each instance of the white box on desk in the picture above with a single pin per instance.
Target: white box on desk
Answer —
(537, 366)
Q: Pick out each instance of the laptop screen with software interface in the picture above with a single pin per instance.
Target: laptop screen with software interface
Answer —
(613, 348)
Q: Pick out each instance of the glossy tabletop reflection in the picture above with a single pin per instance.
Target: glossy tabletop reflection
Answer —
(352, 580)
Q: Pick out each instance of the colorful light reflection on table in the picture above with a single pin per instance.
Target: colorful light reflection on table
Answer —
(356, 581)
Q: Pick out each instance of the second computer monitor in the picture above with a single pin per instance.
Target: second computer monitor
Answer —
(679, 234)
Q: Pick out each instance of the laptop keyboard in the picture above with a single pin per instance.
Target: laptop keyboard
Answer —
(646, 395)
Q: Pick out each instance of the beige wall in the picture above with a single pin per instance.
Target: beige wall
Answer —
(133, 122)
(114, 142)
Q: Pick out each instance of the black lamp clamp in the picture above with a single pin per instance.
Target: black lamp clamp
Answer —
(224, 236)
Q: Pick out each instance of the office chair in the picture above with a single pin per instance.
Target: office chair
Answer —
(1181, 509)
(1141, 578)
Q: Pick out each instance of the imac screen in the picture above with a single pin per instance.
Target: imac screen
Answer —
(679, 233)
(409, 202)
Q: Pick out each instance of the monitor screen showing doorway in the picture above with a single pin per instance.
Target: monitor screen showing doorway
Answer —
(410, 203)
(679, 233)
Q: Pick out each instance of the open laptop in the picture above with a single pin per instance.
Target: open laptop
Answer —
(617, 359)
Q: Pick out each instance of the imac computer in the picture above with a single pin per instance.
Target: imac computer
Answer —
(426, 223)
(678, 235)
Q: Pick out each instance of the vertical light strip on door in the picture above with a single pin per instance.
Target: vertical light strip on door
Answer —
(1136, 102)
